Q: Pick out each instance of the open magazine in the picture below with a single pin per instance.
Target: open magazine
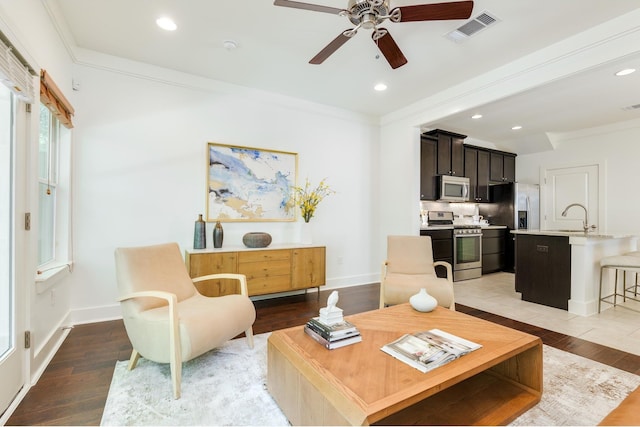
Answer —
(430, 349)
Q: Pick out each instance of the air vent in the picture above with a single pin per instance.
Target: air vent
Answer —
(632, 107)
(472, 27)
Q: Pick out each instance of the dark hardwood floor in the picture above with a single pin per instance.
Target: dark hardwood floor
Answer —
(74, 387)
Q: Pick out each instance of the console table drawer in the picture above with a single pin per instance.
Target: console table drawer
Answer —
(265, 269)
(257, 256)
(268, 285)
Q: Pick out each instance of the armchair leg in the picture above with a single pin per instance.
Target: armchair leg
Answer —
(176, 377)
(133, 360)
(249, 334)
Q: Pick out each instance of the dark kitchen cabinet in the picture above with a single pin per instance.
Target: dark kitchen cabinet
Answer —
(428, 165)
(471, 171)
(503, 167)
(494, 243)
(444, 153)
(483, 176)
(543, 269)
(450, 159)
(476, 168)
(442, 244)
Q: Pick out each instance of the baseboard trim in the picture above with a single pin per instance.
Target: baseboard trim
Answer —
(46, 352)
(95, 314)
(113, 312)
(4, 418)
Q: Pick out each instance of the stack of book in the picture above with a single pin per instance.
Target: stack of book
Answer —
(332, 336)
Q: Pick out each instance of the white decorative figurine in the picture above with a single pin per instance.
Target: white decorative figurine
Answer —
(331, 314)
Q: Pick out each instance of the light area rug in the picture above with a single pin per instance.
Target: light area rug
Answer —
(227, 386)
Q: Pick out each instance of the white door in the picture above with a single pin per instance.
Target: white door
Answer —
(12, 306)
(564, 186)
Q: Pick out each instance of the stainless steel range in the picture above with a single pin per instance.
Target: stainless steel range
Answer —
(467, 252)
(467, 244)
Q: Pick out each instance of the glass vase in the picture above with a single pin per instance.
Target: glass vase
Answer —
(200, 234)
(218, 235)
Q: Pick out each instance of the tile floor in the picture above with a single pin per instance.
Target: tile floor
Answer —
(614, 327)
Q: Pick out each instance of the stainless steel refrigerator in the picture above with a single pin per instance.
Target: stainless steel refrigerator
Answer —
(526, 206)
(515, 205)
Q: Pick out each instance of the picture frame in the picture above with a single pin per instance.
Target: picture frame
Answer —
(250, 184)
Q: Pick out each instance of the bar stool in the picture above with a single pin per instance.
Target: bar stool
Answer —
(629, 261)
(635, 285)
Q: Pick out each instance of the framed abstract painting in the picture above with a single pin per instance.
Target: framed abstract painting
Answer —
(250, 184)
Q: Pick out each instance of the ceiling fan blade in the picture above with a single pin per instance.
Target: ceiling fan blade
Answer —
(436, 11)
(307, 6)
(330, 48)
(389, 48)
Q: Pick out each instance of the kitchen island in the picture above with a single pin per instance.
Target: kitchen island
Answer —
(562, 268)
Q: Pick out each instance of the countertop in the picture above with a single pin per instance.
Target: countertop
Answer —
(242, 248)
(450, 227)
(578, 234)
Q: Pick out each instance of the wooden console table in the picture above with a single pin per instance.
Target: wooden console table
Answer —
(278, 268)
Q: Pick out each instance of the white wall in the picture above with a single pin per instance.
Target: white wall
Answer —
(141, 161)
(617, 147)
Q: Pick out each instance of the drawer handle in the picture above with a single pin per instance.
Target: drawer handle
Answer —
(542, 248)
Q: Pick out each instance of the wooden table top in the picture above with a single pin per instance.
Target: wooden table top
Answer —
(379, 384)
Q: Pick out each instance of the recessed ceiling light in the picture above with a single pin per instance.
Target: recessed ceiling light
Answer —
(625, 72)
(518, 127)
(166, 24)
(476, 116)
(380, 87)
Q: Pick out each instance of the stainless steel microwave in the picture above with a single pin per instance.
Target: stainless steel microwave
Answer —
(453, 188)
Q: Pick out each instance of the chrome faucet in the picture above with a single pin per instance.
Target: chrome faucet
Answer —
(585, 223)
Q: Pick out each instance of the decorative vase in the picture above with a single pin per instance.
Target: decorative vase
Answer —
(306, 233)
(422, 301)
(200, 234)
(256, 239)
(218, 235)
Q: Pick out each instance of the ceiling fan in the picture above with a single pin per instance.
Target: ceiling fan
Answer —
(369, 14)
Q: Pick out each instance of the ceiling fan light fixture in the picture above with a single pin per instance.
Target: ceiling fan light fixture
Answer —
(369, 21)
(166, 23)
(380, 87)
(370, 14)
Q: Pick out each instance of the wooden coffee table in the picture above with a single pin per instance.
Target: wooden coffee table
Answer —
(359, 384)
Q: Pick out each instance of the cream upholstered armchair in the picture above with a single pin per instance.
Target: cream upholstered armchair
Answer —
(410, 267)
(166, 319)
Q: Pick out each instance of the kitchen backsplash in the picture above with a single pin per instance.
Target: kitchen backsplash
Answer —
(464, 209)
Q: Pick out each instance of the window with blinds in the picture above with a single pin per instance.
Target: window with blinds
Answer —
(15, 72)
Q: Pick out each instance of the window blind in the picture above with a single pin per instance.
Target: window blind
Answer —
(52, 97)
(15, 73)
